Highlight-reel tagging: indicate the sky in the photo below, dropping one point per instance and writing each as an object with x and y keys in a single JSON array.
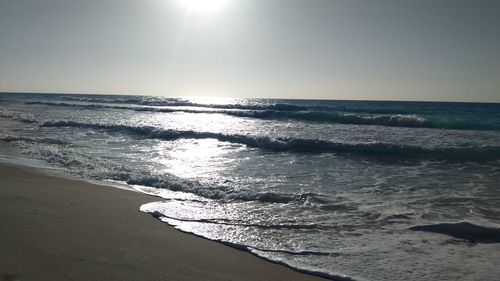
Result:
[{"x": 447, "y": 50}]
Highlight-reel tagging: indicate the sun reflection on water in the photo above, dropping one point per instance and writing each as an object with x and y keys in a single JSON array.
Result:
[
  {"x": 216, "y": 100},
  {"x": 205, "y": 158}
]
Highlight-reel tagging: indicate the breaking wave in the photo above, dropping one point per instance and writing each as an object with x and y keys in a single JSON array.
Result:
[
  {"x": 280, "y": 111},
  {"x": 11, "y": 138},
  {"x": 173, "y": 183},
  {"x": 100, "y": 169},
  {"x": 17, "y": 115},
  {"x": 376, "y": 149}
]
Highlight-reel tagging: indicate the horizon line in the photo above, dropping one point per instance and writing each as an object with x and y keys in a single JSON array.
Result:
[{"x": 228, "y": 97}]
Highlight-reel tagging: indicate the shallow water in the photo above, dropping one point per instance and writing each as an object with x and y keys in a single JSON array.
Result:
[{"x": 335, "y": 187}]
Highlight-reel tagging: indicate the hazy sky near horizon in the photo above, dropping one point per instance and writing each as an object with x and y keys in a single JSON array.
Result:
[{"x": 327, "y": 49}]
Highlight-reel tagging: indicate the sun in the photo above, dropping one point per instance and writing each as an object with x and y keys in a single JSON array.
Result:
[{"x": 203, "y": 6}]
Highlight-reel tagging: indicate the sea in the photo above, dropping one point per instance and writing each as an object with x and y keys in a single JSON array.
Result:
[{"x": 348, "y": 190}]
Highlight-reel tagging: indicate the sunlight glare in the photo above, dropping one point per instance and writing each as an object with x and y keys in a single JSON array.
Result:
[{"x": 203, "y": 6}]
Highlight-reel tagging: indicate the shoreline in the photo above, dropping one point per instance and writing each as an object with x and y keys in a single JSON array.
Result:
[{"x": 68, "y": 229}]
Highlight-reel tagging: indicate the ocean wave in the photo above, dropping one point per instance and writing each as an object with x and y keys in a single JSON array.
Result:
[
  {"x": 89, "y": 166},
  {"x": 340, "y": 118},
  {"x": 17, "y": 115},
  {"x": 174, "y": 183},
  {"x": 391, "y": 120},
  {"x": 277, "y": 105},
  {"x": 374, "y": 149},
  {"x": 12, "y": 138},
  {"x": 268, "y": 254},
  {"x": 74, "y": 162},
  {"x": 153, "y": 106},
  {"x": 81, "y": 105},
  {"x": 463, "y": 230},
  {"x": 157, "y": 214},
  {"x": 299, "y": 253},
  {"x": 152, "y": 101}
]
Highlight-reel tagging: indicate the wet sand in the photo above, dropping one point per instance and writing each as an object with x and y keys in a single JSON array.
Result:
[{"x": 61, "y": 229}]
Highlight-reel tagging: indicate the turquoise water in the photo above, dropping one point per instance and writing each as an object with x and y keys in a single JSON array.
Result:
[{"x": 367, "y": 190}]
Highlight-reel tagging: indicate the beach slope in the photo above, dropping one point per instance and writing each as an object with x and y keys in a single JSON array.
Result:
[{"x": 60, "y": 229}]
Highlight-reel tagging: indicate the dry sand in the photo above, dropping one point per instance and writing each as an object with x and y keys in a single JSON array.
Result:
[{"x": 59, "y": 229}]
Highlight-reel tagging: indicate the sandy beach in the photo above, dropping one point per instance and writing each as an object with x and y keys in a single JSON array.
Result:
[{"x": 60, "y": 229}]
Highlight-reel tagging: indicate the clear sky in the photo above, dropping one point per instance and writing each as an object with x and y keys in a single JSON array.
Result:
[{"x": 327, "y": 49}]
